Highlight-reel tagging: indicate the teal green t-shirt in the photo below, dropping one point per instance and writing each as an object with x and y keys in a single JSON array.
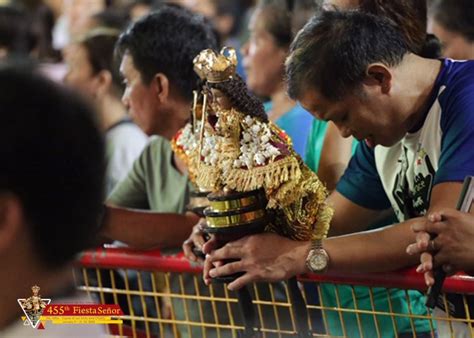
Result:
[{"x": 315, "y": 144}]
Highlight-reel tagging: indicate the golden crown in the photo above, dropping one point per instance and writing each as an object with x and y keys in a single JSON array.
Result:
[{"x": 215, "y": 67}]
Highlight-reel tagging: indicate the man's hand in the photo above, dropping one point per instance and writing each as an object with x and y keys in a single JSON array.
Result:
[
  {"x": 195, "y": 241},
  {"x": 452, "y": 246},
  {"x": 263, "y": 257},
  {"x": 421, "y": 247}
]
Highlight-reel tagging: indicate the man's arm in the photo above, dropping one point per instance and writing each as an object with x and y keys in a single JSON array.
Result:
[
  {"x": 384, "y": 249},
  {"x": 349, "y": 217},
  {"x": 144, "y": 230},
  {"x": 268, "y": 257}
]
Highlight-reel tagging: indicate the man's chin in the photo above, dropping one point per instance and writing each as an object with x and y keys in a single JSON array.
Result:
[{"x": 369, "y": 141}]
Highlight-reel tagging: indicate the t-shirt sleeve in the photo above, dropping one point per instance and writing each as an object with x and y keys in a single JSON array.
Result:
[
  {"x": 131, "y": 192},
  {"x": 361, "y": 182},
  {"x": 457, "y": 125}
]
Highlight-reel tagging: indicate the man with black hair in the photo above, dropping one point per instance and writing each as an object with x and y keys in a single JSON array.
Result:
[
  {"x": 49, "y": 171},
  {"x": 156, "y": 55},
  {"x": 415, "y": 117},
  {"x": 148, "y": 208}
]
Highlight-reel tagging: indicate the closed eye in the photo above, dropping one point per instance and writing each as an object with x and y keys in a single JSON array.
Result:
[{"x": 341, "y": 118}]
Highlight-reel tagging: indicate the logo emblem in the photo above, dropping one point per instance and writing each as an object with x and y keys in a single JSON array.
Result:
[{"x": 33, "y": 307}]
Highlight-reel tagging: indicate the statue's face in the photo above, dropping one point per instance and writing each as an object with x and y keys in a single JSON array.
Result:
[{"x": 221, "y": 99}]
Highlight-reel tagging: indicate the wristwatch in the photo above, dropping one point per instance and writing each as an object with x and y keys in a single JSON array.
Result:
[{"x": 317, "y": 260}]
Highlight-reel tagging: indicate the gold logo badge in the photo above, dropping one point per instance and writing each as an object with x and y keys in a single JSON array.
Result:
[{"x": 33, "y": 307}]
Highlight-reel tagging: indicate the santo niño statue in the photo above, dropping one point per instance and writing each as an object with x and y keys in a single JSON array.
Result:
[{"x": 235, "y": 152}]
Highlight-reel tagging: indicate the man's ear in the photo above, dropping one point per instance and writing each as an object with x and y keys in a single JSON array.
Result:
[
  {"x": 11, "y": 220},
  {"x": 161, "y": 87},
  {"x": 103, "y": 82},
  {"x": 378, "y": 75}
]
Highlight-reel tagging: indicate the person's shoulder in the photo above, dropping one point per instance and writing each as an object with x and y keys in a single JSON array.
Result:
[
  {"x": 461, "y": 65},
  {"x": 130, "y": 127},
  {"x": 456, "y": 87},
  {"x": 157, "y": 141},
  {"x": 126, "y": 132},
  {"x": 158, "y": 148},
  {"x": 127, "y": 138},
  {"x": 457, "y": 74},
  {"x": 298, "y": 113}
]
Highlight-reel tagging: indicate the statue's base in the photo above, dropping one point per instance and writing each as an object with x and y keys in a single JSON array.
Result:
[
  {"x": 234, "y": 232},
  {"x": 232, "y": 215}
]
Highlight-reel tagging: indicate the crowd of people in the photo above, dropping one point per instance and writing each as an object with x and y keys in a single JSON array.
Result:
[{"x": 377, "y": 97}]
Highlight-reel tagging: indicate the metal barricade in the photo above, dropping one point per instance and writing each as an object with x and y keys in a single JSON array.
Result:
[{"x": 164, "y": 296}]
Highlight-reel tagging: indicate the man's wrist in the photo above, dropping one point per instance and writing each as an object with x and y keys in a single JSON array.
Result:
[
  {"x": 304, "y": 250},
  {"x": 317, "y": 260}
]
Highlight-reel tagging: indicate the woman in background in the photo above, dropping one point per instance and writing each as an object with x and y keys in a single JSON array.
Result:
[
  {"x": 264, "y": 62},
  {"x": 92, "y": 71},
  {"x": 453, "y": 23}
]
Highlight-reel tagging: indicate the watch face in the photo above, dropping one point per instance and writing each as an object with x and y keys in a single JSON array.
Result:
[{"x": 318, "y": 260}]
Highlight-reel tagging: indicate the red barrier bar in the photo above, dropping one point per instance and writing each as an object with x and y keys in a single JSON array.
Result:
[
  {"x": 123, "y": 258},
  {"x": 404, "y": 279}
]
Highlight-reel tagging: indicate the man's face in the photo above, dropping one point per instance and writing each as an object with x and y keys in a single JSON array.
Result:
[
  {"x": 366, "y": 116},
  {"x": 138, "y": 97}
]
